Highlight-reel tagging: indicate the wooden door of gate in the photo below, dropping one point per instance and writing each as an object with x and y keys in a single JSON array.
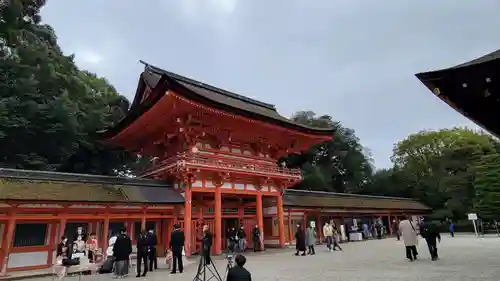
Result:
[{"x": 248, "y": 225}]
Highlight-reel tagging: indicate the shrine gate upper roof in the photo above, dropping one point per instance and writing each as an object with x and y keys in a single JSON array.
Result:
[{"x": 161, "y": 80}]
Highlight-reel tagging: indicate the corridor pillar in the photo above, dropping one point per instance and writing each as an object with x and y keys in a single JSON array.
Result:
[
  {"x": 187, "y": 215},
  {"x": 281, "y": 220},
  {"x": 9, "y": 237},
  {"x": 260, "y": 217},
  {"x": 218, "y": 220}
]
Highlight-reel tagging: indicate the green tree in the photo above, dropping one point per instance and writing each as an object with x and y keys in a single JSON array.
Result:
[
  {"x": 439, "y": 167},
  {"x": 487, "y": 187},
  {"x": 49, "y": 109},
  {"x": 339, "y": 165}
]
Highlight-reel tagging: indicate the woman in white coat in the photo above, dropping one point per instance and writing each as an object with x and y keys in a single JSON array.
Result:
[{"x": 409, "y": 234}]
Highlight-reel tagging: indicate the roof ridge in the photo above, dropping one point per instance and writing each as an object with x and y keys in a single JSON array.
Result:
[
  {"x": 74, "y": 177},
  {"x": 207, "y": 86},
  {"x": 347, "y": 194}
]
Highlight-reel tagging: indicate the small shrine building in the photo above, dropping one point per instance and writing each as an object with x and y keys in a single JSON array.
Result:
[{"x": 215, "y": 163}]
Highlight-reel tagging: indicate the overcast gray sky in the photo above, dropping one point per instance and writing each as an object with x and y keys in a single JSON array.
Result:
[{"x": 353, "y": 59}]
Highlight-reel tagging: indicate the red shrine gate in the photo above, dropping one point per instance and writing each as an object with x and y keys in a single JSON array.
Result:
[{"x": 220, "y": 148}]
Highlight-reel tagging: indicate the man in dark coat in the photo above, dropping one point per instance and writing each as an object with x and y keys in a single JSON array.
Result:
[
  {"x": 121, "y": 251},
  {"x": 430, "y": 233},
  {"x": 300, "y": 241},
  {"x": 231, "y": 239},
  {"x": 256, "y": 238},
  {"x": 152, "y": 241},
  {"x": 238, "y": 272},
  {"x": 176, "y": 245},
  {"x": 142, "y": 252}
]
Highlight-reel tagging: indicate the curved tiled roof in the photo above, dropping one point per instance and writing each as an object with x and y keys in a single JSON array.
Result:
[
  {"x": 303, "y": 198},
  {"x": 52, "y": 186},
  {"x": 471, "y": 88},
  {"x": 210, "y": 95}
]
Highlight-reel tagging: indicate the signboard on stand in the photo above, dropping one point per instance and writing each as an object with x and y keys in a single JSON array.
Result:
[{"x": 473, "y": 217}]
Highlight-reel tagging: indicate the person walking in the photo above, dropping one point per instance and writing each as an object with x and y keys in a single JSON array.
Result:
[
  {"x": 176, "y": 245},
  {"x": 310, "y": 240},
  {"x": 452, "y": 229},
  {"x": 410, "y": 238},
  {"x": 231, "y": 239},
  {"x": 121, "y": 251},
  {"x": 152, "y": 242},
  {"x": 328, "y": 234},
  {"x": 395, "y": 229},
  {"x": 241, "y": 236},
  {"x": 336, "y": 238},
  {"x": 429, "y": 231},
  {"x": 378, "y": 228},
  {"x": 300, "y": 241},
  {"x": 142, "y": 253},
  {"x": 256, "y": 238}
]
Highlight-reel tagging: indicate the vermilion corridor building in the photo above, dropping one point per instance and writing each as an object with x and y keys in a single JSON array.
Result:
[{"x": 215, "y": 163}]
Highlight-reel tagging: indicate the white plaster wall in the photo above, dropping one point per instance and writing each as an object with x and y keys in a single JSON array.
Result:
[
  {"x": 272, "y": 242},
  {"x": 269, "y": 211},
  {"x": 27, "y": 259}
]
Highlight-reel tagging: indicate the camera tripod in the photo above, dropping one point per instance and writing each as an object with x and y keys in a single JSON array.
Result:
[{"x": 203, "y": 266}]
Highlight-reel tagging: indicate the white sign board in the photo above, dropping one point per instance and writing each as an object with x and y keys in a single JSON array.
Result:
[{"x": 472, "y": 217}]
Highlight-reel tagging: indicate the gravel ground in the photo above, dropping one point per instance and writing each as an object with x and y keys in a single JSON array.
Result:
[{"x": 461, "y": 258}]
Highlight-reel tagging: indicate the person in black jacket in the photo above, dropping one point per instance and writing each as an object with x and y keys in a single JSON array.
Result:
[
  {"x": 238, "y": 272},
  {"x": 63, "y": 251},
  {"x": 231, "y": 239},
  {"x": 176, "y": 245},
  {"x": 152, "y": 241},
  {"x": 429, "y": 231},
  {"x": 142, "y": 252},
  {"x": 300, "y": 241},
  {"x": 121, "y": 251},
  {"x": 206, "y": 244},
  {"x": 256, "y": 238},
  {"x": 241, "y": 236}
]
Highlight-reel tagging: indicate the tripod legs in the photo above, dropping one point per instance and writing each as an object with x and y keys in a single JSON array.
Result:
[{"x": 201, "y": 273}]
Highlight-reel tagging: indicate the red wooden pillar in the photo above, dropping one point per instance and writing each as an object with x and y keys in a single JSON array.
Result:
[
  {"x": 143, "y": 221},
  {"x": 187, "y": 217},
  {"x": 105, "y": 234},
  {"x": 218, "y": 220},
  {"x": 260, "y": 217},
  {"x": 52, "y": 243},
  {"x": 390, "y": 223},
  {"x": 62, "y": 226},
  {"x": 166, "y": 228},
  {"x": 281, "y": 220},
  {"x": 290, "y": 234},
  {"x": 9, "y": 237},
  {"x": 318, "y": 228}
]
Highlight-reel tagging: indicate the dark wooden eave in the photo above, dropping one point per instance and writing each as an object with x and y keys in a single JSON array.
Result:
[
  {"x": 66, "y": 187},
  {"x": 465, "y": 88},
  {"x": 160, "y": 80},
  {"x": 353, "y": 202}
]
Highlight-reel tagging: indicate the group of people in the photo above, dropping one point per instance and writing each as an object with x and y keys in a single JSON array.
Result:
[
  {"x": 305, "y": 240},
  {"x": 237, "y": 239},
  {"x": 70, "y": 253}
]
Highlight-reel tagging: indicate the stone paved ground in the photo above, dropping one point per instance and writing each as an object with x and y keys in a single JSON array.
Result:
[{"x": 461, "y": 258}]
